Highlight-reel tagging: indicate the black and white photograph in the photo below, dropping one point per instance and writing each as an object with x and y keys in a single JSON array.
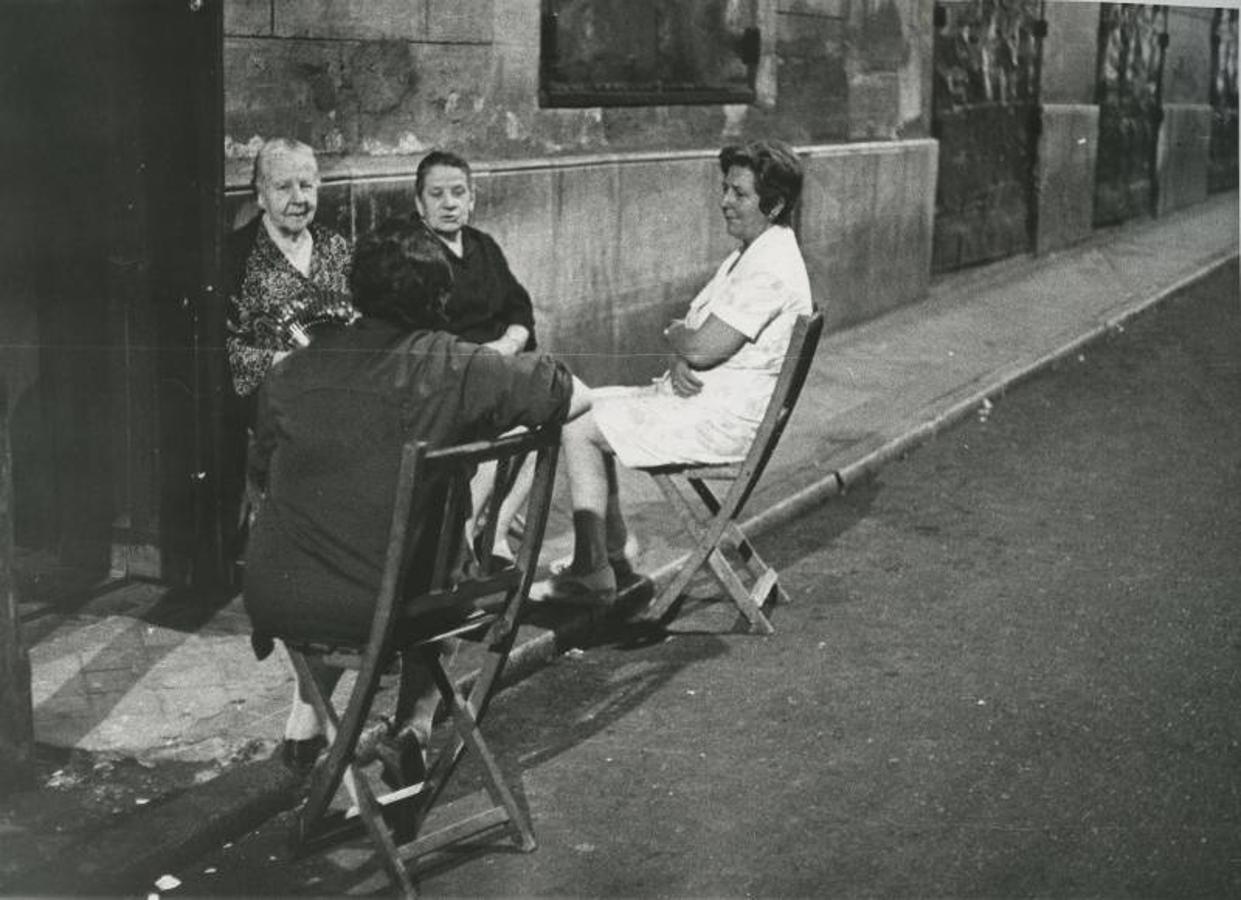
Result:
[{"x": 620, "y": 448}]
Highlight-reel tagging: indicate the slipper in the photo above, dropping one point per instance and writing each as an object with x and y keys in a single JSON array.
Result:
[{"x": 598, "y": 589}]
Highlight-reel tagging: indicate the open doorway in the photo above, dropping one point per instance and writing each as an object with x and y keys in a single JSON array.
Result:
[{"x": 110, "y": 124}]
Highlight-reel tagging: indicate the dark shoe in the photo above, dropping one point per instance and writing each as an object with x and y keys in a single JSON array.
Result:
[
  {"x": 261, "y": 644},
  {"x": 597, "y": 589},
  {"x": 622, "y": 568},
  {"x": 621, "y": 563},
  {"x": 404, "y": 764},
  {"x": 517, "y": 527},
  {"x": 299, "y": 756}
]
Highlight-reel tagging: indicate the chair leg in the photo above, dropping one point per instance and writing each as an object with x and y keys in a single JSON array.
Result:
[
  {"x": 757, "y": 566},
  {"x": 340, "y": 767},
  {"x": 466, "y": 723},
  {"x": 690, "y": 520},
  {"x": 505, "y": 809},
  {"x": 691, "y": 516},
  {"x": 748, "y": 602},
  {"x": 665, "y": 599},
  {"x": 327, "y": 775},
  {"x": 708, "y": 532},
  {"x": 735, "y": 539},
  {"x": 372, "y": 817}
]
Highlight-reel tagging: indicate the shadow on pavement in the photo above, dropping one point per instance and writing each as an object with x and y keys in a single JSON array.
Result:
[
  {"x": 577, "y": 699},
  {"x": 134, "y": 627}
]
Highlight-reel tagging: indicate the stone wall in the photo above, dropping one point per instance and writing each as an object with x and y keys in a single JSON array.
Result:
[
  {"x": 1067, "y": 157},
  {"x": 1184, "y": 149},
  {"x": 586, "y": 200},
  {"x": 1187, "y": 62},
  {"x": 1065, "y": 168},
  {"x": 1183, "y": 155},
  {"x": 395, "y": 77},
  {"x": 609, "y": 215},
  {"x": 867, "y": 225},
  {"x": 611, "y": 247},
  {"x": 1070, "y": 52},
  {"x": 1064, "y": 177}
]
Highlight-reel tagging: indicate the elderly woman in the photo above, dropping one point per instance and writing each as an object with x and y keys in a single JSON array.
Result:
[
  {"x": 286, "y": 276},
  {"x": 726, "y": 356},
  {"x": 287, "y": 273}
]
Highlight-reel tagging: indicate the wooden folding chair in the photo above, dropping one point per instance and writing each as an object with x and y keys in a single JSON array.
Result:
[
  {"x": 712, "y": 520},
  {"x": 481, "y": 601}
]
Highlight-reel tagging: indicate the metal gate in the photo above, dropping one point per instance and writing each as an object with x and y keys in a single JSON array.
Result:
[
  {"x": 985, "y": 101},
  {"x": 1129, "y": 91},
  {"x": 1222, "y": 174}
]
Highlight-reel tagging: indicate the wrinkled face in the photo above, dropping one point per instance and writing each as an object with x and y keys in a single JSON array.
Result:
[
  {"x": 288, "y": 190},
  {"x": 739, "y": 202},
  {"x": 446, "y": 200}
]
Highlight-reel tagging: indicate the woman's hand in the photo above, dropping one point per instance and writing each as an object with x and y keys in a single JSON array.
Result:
[
  {"x": 706, "y": 346},
  {"x": 512, "y": 342},
  {"x": 298, "y": 333},
  {"x": 674, "y": 334},
  {"x": 503, "y": 346},
  {"x": 684, "y": 382},
  {"x": 680, "y": 375}
]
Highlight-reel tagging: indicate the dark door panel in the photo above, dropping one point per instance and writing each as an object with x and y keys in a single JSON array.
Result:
[
  {"x": 1132, "y": 40},
  {"x": 112, "y": 126},
  {"x": 1222, "y": 173},
  {"x": 986, "y": 118}
]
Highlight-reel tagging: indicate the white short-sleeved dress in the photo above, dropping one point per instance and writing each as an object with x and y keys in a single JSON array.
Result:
[{"x": 760, "y": 293}]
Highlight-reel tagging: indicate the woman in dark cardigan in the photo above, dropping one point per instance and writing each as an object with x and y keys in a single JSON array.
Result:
[{"x": 333, "y": 418}]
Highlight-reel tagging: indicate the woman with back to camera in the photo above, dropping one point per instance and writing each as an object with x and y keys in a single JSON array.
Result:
[{"x": 332, "y": 419}]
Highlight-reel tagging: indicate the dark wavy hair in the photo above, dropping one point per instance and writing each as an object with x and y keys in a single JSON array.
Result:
[
  {"x": 401, "y": 275},
  {"x": 440, "y": 158},
  {"x": 777, "y": 174}
]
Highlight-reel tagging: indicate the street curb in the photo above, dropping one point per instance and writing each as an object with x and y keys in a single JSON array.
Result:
[
  {"x": 128, "y": 859},
  {"x": 546, "y": 646},
  {"x": 840, "y": 480}
]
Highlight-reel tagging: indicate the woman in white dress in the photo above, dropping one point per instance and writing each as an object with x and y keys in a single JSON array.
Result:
[{"x": 726, "y": 355}]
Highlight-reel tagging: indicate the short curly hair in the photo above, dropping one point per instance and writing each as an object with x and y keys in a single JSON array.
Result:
[
  {"x": 401, "y": 274},
  {"x": 777, "y": 174},
  {"x": 275, "y": 147}
]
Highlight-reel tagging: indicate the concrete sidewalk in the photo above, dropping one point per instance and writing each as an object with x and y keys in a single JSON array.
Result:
[{"x": 135, "y": 672}]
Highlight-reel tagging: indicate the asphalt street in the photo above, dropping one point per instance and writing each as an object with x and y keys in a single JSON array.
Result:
[{"x": 1011, "y": 669}]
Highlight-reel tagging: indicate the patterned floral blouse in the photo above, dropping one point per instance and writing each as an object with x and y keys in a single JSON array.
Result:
[{"x": 273, "y": 298}]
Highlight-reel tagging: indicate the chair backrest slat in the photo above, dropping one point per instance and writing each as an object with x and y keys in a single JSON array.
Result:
[
  {"x": 455, "y": 509},
  {"x": 432, "y": 501},
  {"x": 416, "y": 610},
  {"x": 796, "y": 367},
  {"x": 458, "y": 464},
  {"x": 413, "y": 462}
]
